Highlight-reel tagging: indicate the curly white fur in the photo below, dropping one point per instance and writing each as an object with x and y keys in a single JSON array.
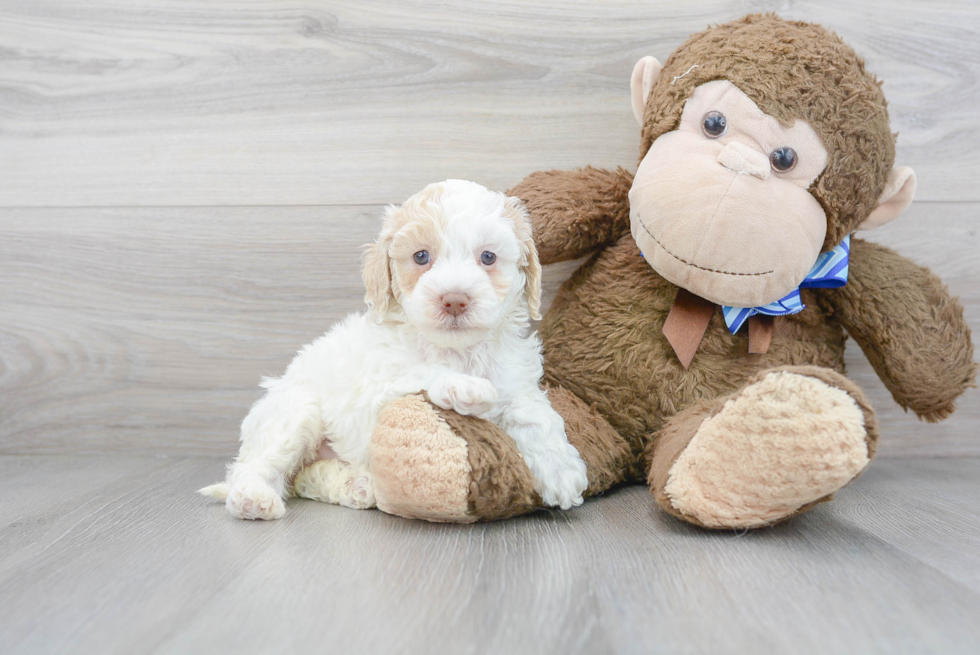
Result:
[{"x": 482, "y": 362}]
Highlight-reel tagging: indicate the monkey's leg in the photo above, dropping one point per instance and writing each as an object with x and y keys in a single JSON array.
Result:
[
  {"x": 783, "y": 443},
  {"x": 434, "y": 464}
]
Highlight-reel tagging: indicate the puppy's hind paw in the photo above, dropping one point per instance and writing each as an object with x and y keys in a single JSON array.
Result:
[
  {"x": 360, "y": 492},
  {"x": 336, "y": 482},
  {"x": 253, "y": 498}
]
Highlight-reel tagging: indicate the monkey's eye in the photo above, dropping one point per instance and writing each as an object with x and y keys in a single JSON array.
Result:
[
  {"x": 714, "y": 124},
  {"x": 422, "y": 257},
  {"x": 783, "y": 159},
  {"x": 488, "y": 258}
]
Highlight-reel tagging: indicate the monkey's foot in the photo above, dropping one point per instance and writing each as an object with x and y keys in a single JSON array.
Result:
[
  {"x": 434, "y": 464},
  {"x": 785, "y": 442}
]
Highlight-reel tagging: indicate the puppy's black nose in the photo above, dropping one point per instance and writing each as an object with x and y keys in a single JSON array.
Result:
[{"x": 454, "y": 303}]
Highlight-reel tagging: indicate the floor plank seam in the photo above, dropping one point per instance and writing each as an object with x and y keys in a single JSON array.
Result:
[{"x": 900, "y": 552}]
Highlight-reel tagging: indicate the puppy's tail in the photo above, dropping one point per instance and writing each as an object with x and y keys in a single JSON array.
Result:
[{"x": 219, "y": 491}]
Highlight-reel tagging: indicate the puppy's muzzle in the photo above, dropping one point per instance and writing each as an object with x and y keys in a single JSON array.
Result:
[{"x": 455, "y": 304}]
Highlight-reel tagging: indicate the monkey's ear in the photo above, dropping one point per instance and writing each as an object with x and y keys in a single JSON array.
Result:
[
  {"x": 645, "y": 73},
  {"x": 895, "y": 199}
]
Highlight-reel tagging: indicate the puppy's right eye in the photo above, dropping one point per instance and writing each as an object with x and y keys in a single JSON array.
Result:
[{"x": 422, "y": 257}]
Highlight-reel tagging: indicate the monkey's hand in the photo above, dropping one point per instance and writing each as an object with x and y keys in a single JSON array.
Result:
[
  {"x": 912, "y": 331},
  {"x": 575, "y": 212}
]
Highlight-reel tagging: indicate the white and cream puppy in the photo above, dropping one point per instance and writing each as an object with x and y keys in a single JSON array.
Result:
[{"x": 451, "y": 285}]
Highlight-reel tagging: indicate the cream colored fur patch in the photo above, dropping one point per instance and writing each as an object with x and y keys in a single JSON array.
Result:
[
  {"x": 421, "y": 468},
  {"x": 334, "y": 481},
  {"x": 785, "y": 441}
]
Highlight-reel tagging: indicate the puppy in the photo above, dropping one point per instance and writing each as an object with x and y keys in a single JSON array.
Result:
[{"x": 451, "y": 285}]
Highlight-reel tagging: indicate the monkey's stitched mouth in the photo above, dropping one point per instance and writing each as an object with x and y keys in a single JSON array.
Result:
[{"x": 692, "y": 264}]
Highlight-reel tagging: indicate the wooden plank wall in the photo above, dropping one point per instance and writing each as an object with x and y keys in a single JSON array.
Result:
[{"x": 184, "y": 185}]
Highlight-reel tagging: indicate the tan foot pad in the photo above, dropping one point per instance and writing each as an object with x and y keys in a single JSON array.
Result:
[
  {"x": 784, "y": 442},
  {"x": 420, "y": 468}
]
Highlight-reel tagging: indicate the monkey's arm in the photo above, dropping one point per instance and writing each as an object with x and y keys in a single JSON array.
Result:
[
  {"x": 575, "y": 212},
  {"x": 912, "y": 331}
]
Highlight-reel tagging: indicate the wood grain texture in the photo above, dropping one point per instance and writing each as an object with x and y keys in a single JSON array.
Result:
[
  {"x": 168, "y": 102},
  {"x": 144, "y": 565},
  {"x": 142, "y": 329},
  {"x": 150, "y": 274},
  {"x": 926, "y": 510},
  {"x": 149, "y": 329}
]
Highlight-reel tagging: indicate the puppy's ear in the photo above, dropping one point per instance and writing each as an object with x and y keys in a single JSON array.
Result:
[
  {"x": 377, "y": 270},
  {"x": 528, "y": 262}
]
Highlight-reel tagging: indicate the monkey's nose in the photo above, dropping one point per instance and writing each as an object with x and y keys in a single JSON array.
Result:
[
  {"x": 455, "y": 303},
  {"x": 745, "y": 159}
]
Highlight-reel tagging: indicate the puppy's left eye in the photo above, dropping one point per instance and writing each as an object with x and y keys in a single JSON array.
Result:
[
  {"x": 422, "y": 257},
  {"x": 488, "y": 258}
]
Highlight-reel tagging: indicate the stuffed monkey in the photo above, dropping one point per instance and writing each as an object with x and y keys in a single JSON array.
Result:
[{"x": 700, "y": 347}]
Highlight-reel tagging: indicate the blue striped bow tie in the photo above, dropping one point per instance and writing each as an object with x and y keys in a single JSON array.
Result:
[{"x": 830, "y": 272}]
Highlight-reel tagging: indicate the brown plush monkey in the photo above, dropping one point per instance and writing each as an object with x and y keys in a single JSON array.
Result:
[{"x": 765, "y": 144}]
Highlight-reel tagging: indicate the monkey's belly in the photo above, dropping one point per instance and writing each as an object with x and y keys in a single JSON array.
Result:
[{"x": 603, "y": 341}]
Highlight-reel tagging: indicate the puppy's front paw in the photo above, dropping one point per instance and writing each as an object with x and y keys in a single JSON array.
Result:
[
  {"x": 253, "y": 498},
  {"x": 465, "y": 394},
  {"x": 560, "y": 477}
]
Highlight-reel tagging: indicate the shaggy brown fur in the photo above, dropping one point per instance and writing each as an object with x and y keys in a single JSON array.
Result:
[
  {"x": 603, "y": 341},
  {"x": 603, "y": 214},
  {"x": 908, "y": 325},
  {"x": 630, "y": 406},
  {"x": 609, "y": 456},
  {"x": 603, "y": 334},
  {"x": 792, "y": 70},
  {"x": 501, "y": 485}
]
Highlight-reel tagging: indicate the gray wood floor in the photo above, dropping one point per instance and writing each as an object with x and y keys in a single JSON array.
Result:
[
  {"x": 116, "y": 554},
  {"x": 270, "y": 102},
  {"x": 183, "y": 190},
  {"x": 147, "y": 330}
]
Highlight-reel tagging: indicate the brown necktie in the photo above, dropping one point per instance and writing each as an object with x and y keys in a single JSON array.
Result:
[
  {"x": 688, "y": 320},
  {"x": 686, "y": 323}
]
